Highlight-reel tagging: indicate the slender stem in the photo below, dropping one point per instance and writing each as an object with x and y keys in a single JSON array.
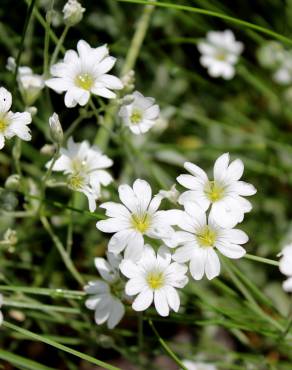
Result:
[
  {"x": 103, "y": 135},
  {"x": 51, "y": 342},
  {"x": 261, "y": 259},
  {"x": 58, "y": 293},
  {"x": 67, "y": 260},
  {"x": 27, "y": 19},
  {"x": 140, "y": 335},
  {"x": 50, "y": 169},
  {"x": 59, "y": 45},
  {"x": 216, "y": 15},
  {"x": 166, "y": 347},
  {"x": 47, "y": 40},
  {"x": 16, "y": 154},
  {"x": 41, "y": 307}
]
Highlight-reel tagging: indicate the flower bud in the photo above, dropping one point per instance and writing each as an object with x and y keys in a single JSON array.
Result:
[
  {"x": 73, "y": 12},
  {"x": 13, "y": 182},
  {"x": 56, "y": 129}
]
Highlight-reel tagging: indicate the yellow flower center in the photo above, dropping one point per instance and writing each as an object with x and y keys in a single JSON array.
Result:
[
  {"x": 3, "y": 124},
  {"x": 155, "y": 279},
  {"x": 214, "y": 191},
  {"x": 141, "y": 222},
  {"x": 220, "y": 56},
  {"x": 136, "y": 116},
  {"x": 206, "y": 237},
  {"x": 84, "y": 80},
  {"x": 78, "y": 165},
  {"x": 76, "y": 181}
]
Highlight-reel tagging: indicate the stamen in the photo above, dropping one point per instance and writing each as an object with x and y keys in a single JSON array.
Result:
[
  {"x": 136, "y": 116},
  {"x": 214, "y": 191},
  {"x": 141, "y": 222},
  {"x": 206, "y": 237},
  {"x": 84, "y": 80},
  {"x": 155, "y": 279}
]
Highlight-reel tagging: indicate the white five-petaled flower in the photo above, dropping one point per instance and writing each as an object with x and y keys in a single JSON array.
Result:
[
  {"x": 1, "y": 315},
  {"x": 200, "y": 237},
  {"x": 85, "y": 169},
  {"x": 73, "y": 12},
  {"x": 106, "y": 293},
  {"x": 220, "y": 52},
  {"x": 12, "y": 124},
  {"x": 225, "y": 192},
  {"x": 286, "y": 267},
  {"x": 136, "y": 217},
  {"x": 154, "y": 277},
  {"x": 140, "y": 114},
  {"x": 84, "y": 73}
]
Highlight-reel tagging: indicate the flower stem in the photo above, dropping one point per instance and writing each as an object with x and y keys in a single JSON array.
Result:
[
  {"x": 103, "y": 135},
  {"x": 59, "y": 45},
  {"x": 166, "y": 347},
  {"x": 261, "y": 259},
  {"x": 67, "y": 260},
  {"x": 58, "y": 293}
]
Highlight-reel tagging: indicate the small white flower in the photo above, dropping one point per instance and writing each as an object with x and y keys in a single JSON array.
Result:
[
  {"x": 139, "y": 115},
  {"x": 30, "y": 84},
  {"x": 154, "y": 277},
  {"x": 84, "y": 73},
  {"x": 73, "y": 12},
  {"x": 283, "y": 74},
  {"x": 220, "y": 52},
  {"x": 225, "y": 192},
  {"x": 199, "y": 239},
  {"x": 271, "y": 54},
  {"x": 85, "y": 169},
  {"x": 1, "y": 303},
  {"x": 286, "y": 267},
  {"x": 12, "y": 124},
  {"x": 106, "y": 293},
  {"x": 192, "y": 365},
  {"x": 136, "y": 217}
]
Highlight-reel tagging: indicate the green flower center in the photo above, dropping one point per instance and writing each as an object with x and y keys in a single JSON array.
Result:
[
  {"x": 3, "y": 124},
  {"x": 84, "y": 80},
  {"x": 136, "y": 116},
  {"x": 214, "y": 191},
  {"x": 206, "y": 237},
  {"x": 155, "y": 279},
  {"x": 141, "y": 222}
]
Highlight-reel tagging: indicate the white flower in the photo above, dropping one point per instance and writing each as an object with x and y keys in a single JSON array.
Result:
[
  {"x": 12, "y": 124},
  {"x": 30, "y": 84},
  {"x": 154, "y": 278},
  {"x": 1, "y": 303},
  {"x": 220, "y": 52},
  {"x": 85, "y": 169},
  {"x": 191, "y": 365},
  {"x": 271, "y": 54},
  {"x": 199, "y": 240},
  {"x": 136, "y": 217},
  {"x": 225, "y": 192},
  {"x": 286, "y": 267},
  {"x": 84, "y": 73},
  {"x": 139, "y": 115},
  {"x": 283, "y": 74},
  {"x": 106, "y": 293},
  {"x": 73, "y": 12}
]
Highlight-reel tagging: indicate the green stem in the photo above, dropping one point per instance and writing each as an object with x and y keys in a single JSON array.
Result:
[
  {"x": 67, "y": 260},
  {"x": 55, "y": 293},
  {"x": 50, "y": 342},
  {"x": 47, "y": 41},
  {"x": 166, "y": 347},
  {"x": 216, "y": 15},
  {"x": 27, "y": 19},
  {"x": 59, "y": 45},
  {"x": 261, "y": 259},
  {"x": 41, "y": 307},
  {"x": 103, "y": 135}
]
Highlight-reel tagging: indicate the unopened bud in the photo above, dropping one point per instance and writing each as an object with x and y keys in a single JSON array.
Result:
[
  {"x": 48, "y": 149},
  {"x": 13, "y": 182},
  {"x": 56, "y": 129},
  {"x": 73, "y": 12}
]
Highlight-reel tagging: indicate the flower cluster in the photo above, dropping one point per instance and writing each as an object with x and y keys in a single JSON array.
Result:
[{"x": 190, "y": 237}]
